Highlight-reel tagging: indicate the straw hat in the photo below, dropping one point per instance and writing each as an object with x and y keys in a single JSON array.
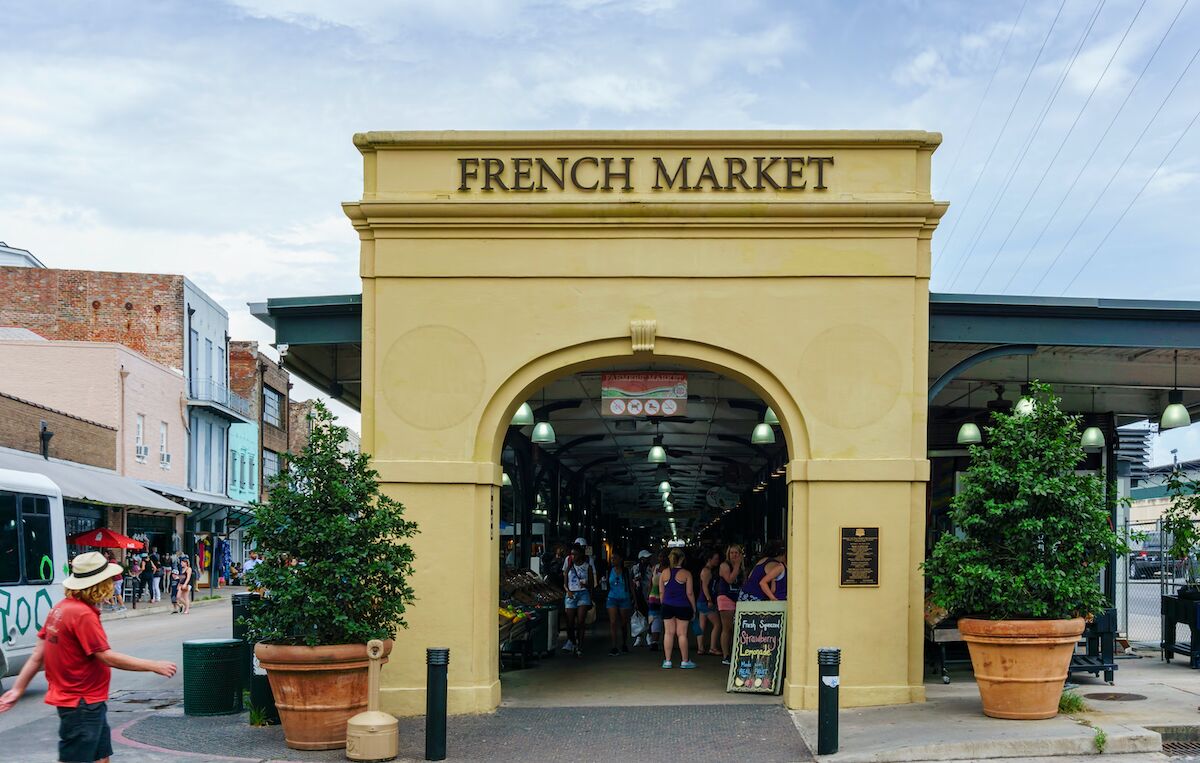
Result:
[{"x": 89, "y": 569}]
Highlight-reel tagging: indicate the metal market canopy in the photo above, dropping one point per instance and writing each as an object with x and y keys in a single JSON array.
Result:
[
  {"x": 1125, "y": 348},
  {"x": 320, "y": 340},
  {"x": 90, "y": 484}
]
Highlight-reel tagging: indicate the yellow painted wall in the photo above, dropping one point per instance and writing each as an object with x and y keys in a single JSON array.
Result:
[{"x": 815, "y": 299}]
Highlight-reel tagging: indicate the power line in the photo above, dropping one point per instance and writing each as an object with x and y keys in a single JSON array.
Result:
[
  {"x": 1128, "y": 206},
  {"x": 1117, "y": 171},
  {"x": 974, "y": 117},
  {"x": 1086, "y": 162},
  {"x": 1000, "y": 135},
  {"x": 1067, "y": 137},
  {"x": 1028, "y": 142}
]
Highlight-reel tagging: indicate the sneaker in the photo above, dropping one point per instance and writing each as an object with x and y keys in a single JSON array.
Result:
[
  {"x": 666, "y": 665},
  {"x": 687, "y": 665},
  {"x": 569, "y": 646},
  {"x": 725, "y": 661},
  {"x": 578, "y": 651},
  {"x": 614, "y": 652}
]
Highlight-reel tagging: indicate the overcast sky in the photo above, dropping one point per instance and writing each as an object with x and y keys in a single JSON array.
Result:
[{"x": 213, "y": 138}]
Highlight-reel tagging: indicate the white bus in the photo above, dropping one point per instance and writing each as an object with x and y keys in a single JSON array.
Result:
[{"x": 33, "y": 562}]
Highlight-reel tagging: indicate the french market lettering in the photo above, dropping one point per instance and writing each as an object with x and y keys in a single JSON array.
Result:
[{"x": 608, "y": 173}]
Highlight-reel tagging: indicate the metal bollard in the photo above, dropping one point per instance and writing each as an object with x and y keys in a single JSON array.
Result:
[
  {"x": 438, "y": 661},
  {"x": 829, "y": 660}
]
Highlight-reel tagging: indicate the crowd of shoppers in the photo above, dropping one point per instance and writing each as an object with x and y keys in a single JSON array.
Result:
[{"x": 665, "y": 600}]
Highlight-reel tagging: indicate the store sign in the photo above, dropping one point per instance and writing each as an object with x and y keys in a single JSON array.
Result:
[
  {"x": 860, "y": 557},
  {"x": 612, "y": 173},
  {"x": 759, "y": 635},
  {"x": 643, "y": 394}
]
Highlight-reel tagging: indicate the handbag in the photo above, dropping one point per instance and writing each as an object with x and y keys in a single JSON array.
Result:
[{"x": 638, "y": 624}]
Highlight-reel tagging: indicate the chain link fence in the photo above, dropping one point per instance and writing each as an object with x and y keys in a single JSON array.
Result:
[{"x": 1144, "y": 577}]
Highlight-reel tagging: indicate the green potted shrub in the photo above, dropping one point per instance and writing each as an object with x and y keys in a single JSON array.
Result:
[
  {"x": 334, "y": 573},
  {"x": 1032, "y": 535},
  {"x": 1179, "y": 532}
]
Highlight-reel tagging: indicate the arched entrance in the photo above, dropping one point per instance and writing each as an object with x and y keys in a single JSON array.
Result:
[
  {"x": 811, "y": 291},
  {"x": 597, "y": 481}
]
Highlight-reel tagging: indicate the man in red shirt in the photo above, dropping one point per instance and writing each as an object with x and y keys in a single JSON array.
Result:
[{"x": 74, "y": 650}]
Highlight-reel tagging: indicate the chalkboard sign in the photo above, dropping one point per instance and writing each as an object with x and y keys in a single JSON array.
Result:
[
  {"x": 860, "y": 557},
  {"x": 759, "y": 636}
]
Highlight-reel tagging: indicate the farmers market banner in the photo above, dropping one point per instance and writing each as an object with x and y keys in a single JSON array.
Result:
[{"x": 643, "y": 394}]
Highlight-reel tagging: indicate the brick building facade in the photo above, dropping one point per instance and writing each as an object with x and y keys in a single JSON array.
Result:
[
  {"x": 75, "y": 439},
  {"x": 143, "y": 311}
]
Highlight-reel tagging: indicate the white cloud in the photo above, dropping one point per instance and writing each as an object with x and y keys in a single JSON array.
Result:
[
  {"x": 926, "y": 69},
  {"x": 1171, "y": 180}
]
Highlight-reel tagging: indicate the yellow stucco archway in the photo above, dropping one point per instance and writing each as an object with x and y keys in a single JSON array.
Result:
[
  {"x": 492, "y": 262},
  {"x": 601, "y": 352}
]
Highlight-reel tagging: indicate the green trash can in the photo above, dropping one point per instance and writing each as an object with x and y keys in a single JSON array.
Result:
[{"x": 213, "y": 676}]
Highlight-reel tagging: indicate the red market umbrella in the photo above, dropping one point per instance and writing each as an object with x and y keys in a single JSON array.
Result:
[{"x": 104, "y": 538}]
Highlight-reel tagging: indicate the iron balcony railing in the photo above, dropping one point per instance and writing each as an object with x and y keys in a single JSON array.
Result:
[{"x": 214, "y": 392}]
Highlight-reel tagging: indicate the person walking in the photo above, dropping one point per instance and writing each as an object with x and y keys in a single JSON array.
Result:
[
  {"x": 654, "y": 600},
  {"x": 184, "y": 597},
  {"x": 580, "y": 577},
  {"x": 248, "y": 567},
  {"x": 147, "y": 578},
  {"x": 641, "y": 576},
  {"x": 706, "y": 605},
  {"x": 173, "y": 566},
  {"x": 156, "y": 576},
  {"x": 118, "y": 592},
  {"x": 768, "y": 580},
  {"x": 730, "y": 576},
  {"x": 620, "y": 604},
  {"x": 135, "y": 579},
  {"x": 678, "y": 608},
  {"x": 74, "y": 650}
]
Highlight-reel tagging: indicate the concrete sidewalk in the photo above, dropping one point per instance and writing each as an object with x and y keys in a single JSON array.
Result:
[
  {"x": 1148, "y": 694},
  {"x": 165, "y": 606}
]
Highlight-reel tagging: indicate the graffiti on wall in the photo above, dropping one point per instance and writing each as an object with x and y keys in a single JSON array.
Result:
[
  {"x": 22, "y": 613},
  {"x": 28, "y": 607}
]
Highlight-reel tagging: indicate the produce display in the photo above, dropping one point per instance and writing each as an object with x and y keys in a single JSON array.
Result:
[
  {"x": 528, "y": 607},
  {"x": 524, "y": 587}
]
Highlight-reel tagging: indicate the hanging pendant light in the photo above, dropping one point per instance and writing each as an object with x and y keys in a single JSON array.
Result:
[
  {"x": 664, "y": 488},
  {"x": 968, "y": 433},
  {"x": 770, "y": 418},
  {"x": 1175, "y": 415},
  {"x": 657, "y": 454},
  {"x": 543, "y": 433},
  {"x": 1025, "y": 404},
  {"x": 1093, "y": 437},
  {"x": 505, "y": 480},
  {"x": 523, "y": 417},
  {"x": 762, "y": 435}
]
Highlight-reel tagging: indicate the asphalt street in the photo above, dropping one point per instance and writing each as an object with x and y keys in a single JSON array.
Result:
[{"x": 155, "y": 637}]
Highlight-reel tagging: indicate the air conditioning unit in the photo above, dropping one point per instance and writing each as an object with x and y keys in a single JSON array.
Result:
[
  {"x": 141, "y": 451},
  {"x": 164, "y": 460}
]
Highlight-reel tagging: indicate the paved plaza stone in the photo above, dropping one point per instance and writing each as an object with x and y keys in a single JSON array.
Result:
[{"x": 579, "y": 734}]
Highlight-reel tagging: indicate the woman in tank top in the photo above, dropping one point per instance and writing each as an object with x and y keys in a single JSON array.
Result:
[
  {"x": 678, "y": 608},
  {"x": 620, "y": 604},
  {"x": 730, "y": 576},
  {"x": 768, "y": 580},
  {"x": 706, "y": 605}
]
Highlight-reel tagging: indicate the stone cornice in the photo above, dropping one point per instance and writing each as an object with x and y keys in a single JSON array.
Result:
[{"x": 452, "y": 139}]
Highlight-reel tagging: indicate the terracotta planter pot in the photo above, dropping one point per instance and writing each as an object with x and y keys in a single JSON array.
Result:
[
  {"x": 1020, "y": 665},
  {"x": 317, "y": 689}
]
